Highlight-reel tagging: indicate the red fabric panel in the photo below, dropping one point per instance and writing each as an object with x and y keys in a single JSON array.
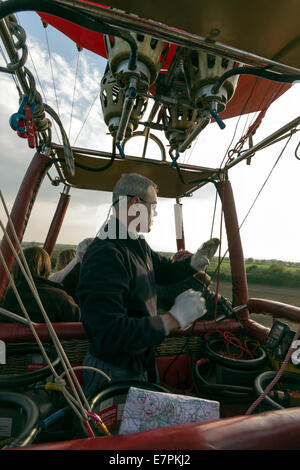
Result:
[
  {"x": 252, "y": 94},
  {"x": 273, "y": 430},
  {"x": 84, "y": 38},
  {"x": 12, "y": 332},
  {"x": 91, "y": 40}
]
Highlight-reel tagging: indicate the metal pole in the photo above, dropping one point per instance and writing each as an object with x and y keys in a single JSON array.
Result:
[
  {"x": 56, "y": 223},
  {"x": 21, "y": 211},
  {"x": 204, "y": 121},
  {"x": 264, "y": 143},
  {"x": 237, "y": 263},
  {"x": 14, "y": 317},
  {"x": 181, "y": 38},
  {"x": 179, "y": 225}
]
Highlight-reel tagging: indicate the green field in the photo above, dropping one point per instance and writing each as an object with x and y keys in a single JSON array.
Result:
[
  {"x": 285, "y": 295},
  {"x": 290, "y": 296},
  {"x": 272, "y": 272}
]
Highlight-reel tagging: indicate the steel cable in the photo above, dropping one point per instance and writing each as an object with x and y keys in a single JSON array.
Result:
[
  {"x": 74, "y": 89},
  {"x": 86, "y": 117},
  {"x": 51, "y": 67}
]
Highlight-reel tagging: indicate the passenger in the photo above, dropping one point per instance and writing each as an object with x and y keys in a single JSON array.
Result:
[
  {"x": 63, "y": 259},
  {"x": 117, "y": 289},
  {"x": 59, "y": 306},
  {"x": 69, "y": 275}
]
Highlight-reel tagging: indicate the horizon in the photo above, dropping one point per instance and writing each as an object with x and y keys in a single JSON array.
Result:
[{"x": 226, "y": 258}]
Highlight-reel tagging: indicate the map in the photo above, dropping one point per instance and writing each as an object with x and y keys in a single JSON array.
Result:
[{"x": 145, "y": 410}]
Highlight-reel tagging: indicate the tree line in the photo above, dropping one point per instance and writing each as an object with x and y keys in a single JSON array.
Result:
[{"x": 268, "y": 272}]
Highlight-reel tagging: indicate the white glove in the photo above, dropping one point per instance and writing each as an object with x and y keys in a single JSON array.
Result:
[
  {"x": 204, "y": 254},
  {"x": 188, "y": 307}
]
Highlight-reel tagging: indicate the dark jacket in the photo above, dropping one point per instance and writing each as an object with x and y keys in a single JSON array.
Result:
[
  {"x": 59, "y": 306},
  {"x": 71, "y": 280},
  {"x": 117, "y": 297}
]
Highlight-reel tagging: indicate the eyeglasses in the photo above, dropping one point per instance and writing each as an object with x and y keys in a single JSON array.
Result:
[{"x": 153, "y": 204}]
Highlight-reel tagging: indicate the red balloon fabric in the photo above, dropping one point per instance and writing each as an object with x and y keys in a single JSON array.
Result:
[{"x": 252, "y": 93}]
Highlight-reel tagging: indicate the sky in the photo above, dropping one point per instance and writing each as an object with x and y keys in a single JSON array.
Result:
[{"x": 271, "y": 231}]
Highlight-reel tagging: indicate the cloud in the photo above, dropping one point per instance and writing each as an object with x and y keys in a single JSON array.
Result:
[
  {"x": 16, "y": 156},
  {"x": 272, "y": 228}
]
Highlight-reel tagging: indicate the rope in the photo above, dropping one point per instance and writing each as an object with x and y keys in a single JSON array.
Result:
[
  {"x": 43, "y": 93},
  {"x": 74, "y": 401},
  {"x": 234, "y": 133},
  {"x": 214, "y": 215},
  {"x": 86, "y": 117},
  {"x": 227, "y": 336},
  {"x": 277, "y": 376},
  {"x": 265, "y": 104},
  {"x": 90, "y": 368},
  {"x": 251, "y": 207},
  {"x": 296, "y": 151},
  {"x": 231, "y": 339},
  {"x": 192, "y": 149},
  {"x": 74, "y": 89},
  {"x": 239, "y": 118},
  {"x": 58, "y": 380},
  {"x": 220, "y": 245},
  {"x": 51, "y": 67},
  {"x": 31, "y": 284}
]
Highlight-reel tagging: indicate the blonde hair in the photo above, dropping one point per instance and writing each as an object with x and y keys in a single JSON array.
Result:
[
  {"x": 64, "y": 258},
  {"x": 38, "y": 261}
]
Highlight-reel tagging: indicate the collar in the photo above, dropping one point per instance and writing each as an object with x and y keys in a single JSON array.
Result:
[{"x": 115, "y": 230}]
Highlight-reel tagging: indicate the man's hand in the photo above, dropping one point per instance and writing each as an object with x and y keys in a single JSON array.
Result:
[
  {"x": 188, "y": 307},
  {"x": 204, "y": 254}
]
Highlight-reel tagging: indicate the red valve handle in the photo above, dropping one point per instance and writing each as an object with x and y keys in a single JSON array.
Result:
[{"x": 30, "y": 127}]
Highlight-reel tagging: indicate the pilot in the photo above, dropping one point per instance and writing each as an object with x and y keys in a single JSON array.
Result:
[{"x": 117, "y": 289}]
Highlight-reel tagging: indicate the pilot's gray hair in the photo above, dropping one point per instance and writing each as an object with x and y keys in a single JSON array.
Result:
[{"x": 132, "y": 184}]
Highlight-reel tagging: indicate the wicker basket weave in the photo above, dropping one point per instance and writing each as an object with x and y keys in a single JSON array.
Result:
[
  {"x": 76, "y": 350},
  {"x": 180, "y": 345},
  {"x": 17, "y": 363}
]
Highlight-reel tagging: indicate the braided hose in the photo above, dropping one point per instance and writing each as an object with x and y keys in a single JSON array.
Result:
[{"x": 16, "y": 30}]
